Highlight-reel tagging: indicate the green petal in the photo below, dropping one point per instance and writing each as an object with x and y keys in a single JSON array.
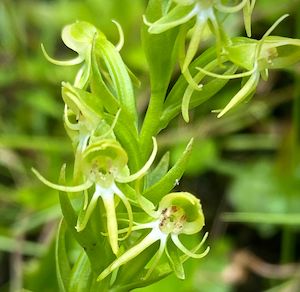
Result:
[
  {"x": 85, "y": 214},
  {"x": 190, "y": 89},
  {"x": 127, "y": 205},
  {"x": 71, "y": 189},
  {"x": 111, "y": 219},
  {"x": 191, "y": 206},
  {"x": 129, "y": 255},
  {"x": 177, "y": 16},
  {"x": 143, "y": 170},
  {"x": 243, "y": 93},
  {"x": 75, "y": 61},
  {"x": 120, "y": 44},
  {"x": 178, "y": 243},
  {"x": 79, "y": 36},
  {"x": 230, "y": 9},
  {"x": 194, "y": 42}
]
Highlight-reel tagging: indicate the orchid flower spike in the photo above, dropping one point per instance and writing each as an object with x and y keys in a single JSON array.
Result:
[
  {"x": 178, "y": 213},
  {"x": 104, "y": 164}
]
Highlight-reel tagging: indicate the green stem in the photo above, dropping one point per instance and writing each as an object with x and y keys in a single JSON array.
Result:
[
  {"x": 287, "y": 245},
  {"x": 151, "y": 123}
]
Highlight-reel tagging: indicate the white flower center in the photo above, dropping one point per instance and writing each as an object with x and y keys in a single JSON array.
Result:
[{"x": 172, "y": 220}]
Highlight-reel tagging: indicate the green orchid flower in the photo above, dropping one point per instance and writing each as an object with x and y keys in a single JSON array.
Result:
[
  {"x": 81, "y": 37},
  {"x": 84, "y": 120},
  {"x": 257, "y": 57},
  {"x": 104, "y": 164},
  {"x": 204, "y": 14},
  {"x": 178, "y": 213}
]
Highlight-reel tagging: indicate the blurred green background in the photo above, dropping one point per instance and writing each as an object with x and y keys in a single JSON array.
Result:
[{"x": 245, "y": 167}]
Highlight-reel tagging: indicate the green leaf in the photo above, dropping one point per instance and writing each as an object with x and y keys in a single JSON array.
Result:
[
  {"x": 204, "y": 155},
  {"x": 172, "y": 104},
  {"x": 81, "y": 276},
  {"x": 198, "y": 97},
  {"x": 63, "y": 268},
  {"x": 174, "y": 260}
]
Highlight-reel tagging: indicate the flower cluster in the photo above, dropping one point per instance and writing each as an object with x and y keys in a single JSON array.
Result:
[
  {"x": 120, "y": 206},
  {"x": 101, "y": 120}
]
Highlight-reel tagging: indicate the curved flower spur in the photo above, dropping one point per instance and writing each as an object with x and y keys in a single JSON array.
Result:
[
  {"x": 204, "y": 14},
  {"x": 178, "y": 213},
  {"x": 105, "y": 164}
]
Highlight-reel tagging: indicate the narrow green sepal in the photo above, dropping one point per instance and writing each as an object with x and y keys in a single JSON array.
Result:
[{"x": 178, "y": 15}]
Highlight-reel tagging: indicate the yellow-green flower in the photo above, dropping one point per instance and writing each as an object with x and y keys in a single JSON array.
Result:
[
  {"x": 256, "y": 57},
  {"x": 178, "y": 213},
  {"x": 203, "y": 12},
  {"x": 104, "y": 164}
]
